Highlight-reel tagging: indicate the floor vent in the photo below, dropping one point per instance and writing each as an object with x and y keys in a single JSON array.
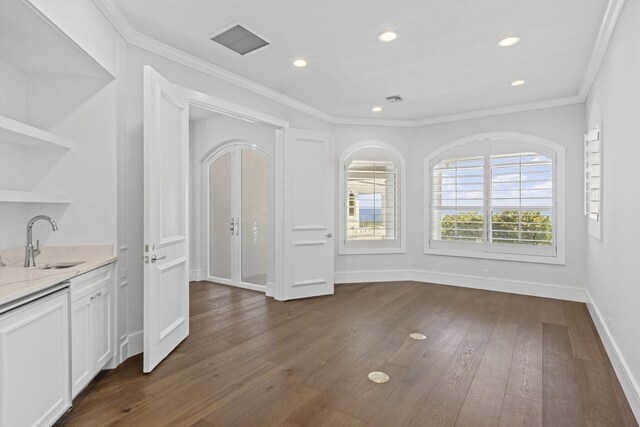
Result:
[{"x": 240, "y": 40}]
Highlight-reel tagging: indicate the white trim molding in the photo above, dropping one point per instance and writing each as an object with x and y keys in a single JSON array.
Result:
[
  {"x": 519, "y": 287},
  {"x": 134, "y": 37},
  {"x": 196, "y": 275},
  {"x": 130, "y": 345},
  {"x": 629, "y": 383},
  {"x": 607, "y": 27}
]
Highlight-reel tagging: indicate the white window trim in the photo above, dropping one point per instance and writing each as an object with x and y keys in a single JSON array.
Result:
[
  {"x": 559, "y": 186},
  {"x": 372, "y": 246}
]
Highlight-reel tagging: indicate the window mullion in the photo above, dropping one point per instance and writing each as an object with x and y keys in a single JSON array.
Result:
[
  {"x": 375, "y": 193},
  {"x": 487, "y": 195}
]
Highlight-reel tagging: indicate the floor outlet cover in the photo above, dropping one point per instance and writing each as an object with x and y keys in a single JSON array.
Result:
[
  {"x": 417, "y": 336},
  {"x": 378, "y": 377}
]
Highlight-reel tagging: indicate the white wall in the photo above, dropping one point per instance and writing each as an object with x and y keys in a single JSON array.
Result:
[
  {"x": 562, "y": 125},
  {"x": 13, "y": 92},
  {"x": 612, "y": 264}
]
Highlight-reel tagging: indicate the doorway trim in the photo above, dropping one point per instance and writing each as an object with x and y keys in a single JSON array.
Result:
[
  {"x": 221, "y": 106},
  {"x": 206, "y": 161}
]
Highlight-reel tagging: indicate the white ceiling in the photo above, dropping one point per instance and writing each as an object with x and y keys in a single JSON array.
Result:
[{"x": 445, "y": 60}]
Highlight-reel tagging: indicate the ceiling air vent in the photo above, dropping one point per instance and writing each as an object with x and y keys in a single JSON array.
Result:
[
  {"x": 240, "y": 40},
  {"x": 394, "y": 98}
]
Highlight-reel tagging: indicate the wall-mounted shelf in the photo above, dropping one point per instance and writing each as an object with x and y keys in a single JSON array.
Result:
[
  {"x": 20, "y": 133},
  {"x": 10, "y": 196}
]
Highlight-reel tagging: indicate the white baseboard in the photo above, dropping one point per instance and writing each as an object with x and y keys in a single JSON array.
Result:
[
  {"x": 271, "y": 288},
  {"x": 519, "y": 287},
  {"x": 124, "y": 349},
  {"x": 372, "y": 276},
  {"x": 545, "y": 290},
  {"x": 625, "y": 376},
  {"x": 196, "y": 275},
  {"x": 131, "y": 345}
]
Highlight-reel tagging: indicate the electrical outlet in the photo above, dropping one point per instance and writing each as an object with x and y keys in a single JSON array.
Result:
[
  {"x": 610, "y": 321},
  {"x": 485, "y": 272}
]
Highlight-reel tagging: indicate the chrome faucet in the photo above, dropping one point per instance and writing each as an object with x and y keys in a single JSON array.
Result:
[{"x": 30, "y": 254}]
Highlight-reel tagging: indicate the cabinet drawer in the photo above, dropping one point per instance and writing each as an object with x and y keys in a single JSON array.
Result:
[{"x": 90, "y": 282}]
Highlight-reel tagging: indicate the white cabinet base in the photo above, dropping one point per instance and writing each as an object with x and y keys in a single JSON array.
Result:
[
  {"x": 34, "y": 362},
  {"x": 92, "y": 325}
]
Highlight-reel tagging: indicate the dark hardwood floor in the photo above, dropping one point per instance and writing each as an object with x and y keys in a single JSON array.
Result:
[{"x": 490, "y": 359}]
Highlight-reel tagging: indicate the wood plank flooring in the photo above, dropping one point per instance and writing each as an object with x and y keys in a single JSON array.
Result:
[{"x": 490, "y": 359}]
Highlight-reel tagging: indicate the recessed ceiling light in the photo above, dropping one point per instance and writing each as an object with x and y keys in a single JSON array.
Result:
[
  {"x": 376, "y": 109},
  {"x": 387, "y": 36},
  {"x": 518, "y": 83},
  {"x": 509, "y": 41},
  {"x": 300, "y": 63}
]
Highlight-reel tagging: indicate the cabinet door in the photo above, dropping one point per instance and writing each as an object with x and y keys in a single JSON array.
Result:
[
  {"x": 82, "y": 361},
  {"x": 101, "y": 324},
  {"x": 34, "y": 362}
]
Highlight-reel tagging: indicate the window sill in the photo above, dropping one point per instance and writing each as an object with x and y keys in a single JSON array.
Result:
[
  {"x": 534, "y": 259},
  {"x": 370, "y": 251}
]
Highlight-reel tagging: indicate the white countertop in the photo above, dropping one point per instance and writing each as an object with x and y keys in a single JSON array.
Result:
[{"x": 17, "y": 281}]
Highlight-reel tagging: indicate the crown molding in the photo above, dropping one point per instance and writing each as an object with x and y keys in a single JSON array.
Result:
[
  {"x": 607, "y": 27},
  {"x": 134, "y": 37},
  {"x": 517, "y": 108}
]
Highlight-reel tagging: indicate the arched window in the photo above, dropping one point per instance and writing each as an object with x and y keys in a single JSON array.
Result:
[
  {"x": 371, "y": 199},
  {"x": 496, "y": 196}
]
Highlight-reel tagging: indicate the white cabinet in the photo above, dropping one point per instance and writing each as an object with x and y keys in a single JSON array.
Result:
[
  {"x": 92, "y": 323},
  {"x": 34, "y": 362}
]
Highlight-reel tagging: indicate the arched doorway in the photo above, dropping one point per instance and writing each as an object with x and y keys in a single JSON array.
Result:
[{"x": 237, "y": 216}]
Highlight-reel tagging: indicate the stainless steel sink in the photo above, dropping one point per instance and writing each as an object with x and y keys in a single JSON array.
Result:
[{"x": 60, "y": 265}]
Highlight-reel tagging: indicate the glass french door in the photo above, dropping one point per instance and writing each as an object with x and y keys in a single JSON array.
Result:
[{"x": 237, "y": 215}]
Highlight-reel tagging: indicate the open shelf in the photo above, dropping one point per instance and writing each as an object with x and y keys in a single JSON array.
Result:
[
  {"x": 19, "y": 133},
  {"x": 9, "y": 196}
]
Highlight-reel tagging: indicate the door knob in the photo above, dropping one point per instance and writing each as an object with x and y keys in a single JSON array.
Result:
[
  {"x": 330, "y": 235},
  {"x": 155, "y": 258}
]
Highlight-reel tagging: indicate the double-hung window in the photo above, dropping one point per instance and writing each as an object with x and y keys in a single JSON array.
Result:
[
  {"x": 495, "y": 198},
  {"x": 371, "y": 211}
]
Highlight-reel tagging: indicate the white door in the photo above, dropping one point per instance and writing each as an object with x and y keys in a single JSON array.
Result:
[
  {"x": 166, "y": 260},
  {"x": 237, "y": 217},
  {"x": 309, "y": 167}
]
